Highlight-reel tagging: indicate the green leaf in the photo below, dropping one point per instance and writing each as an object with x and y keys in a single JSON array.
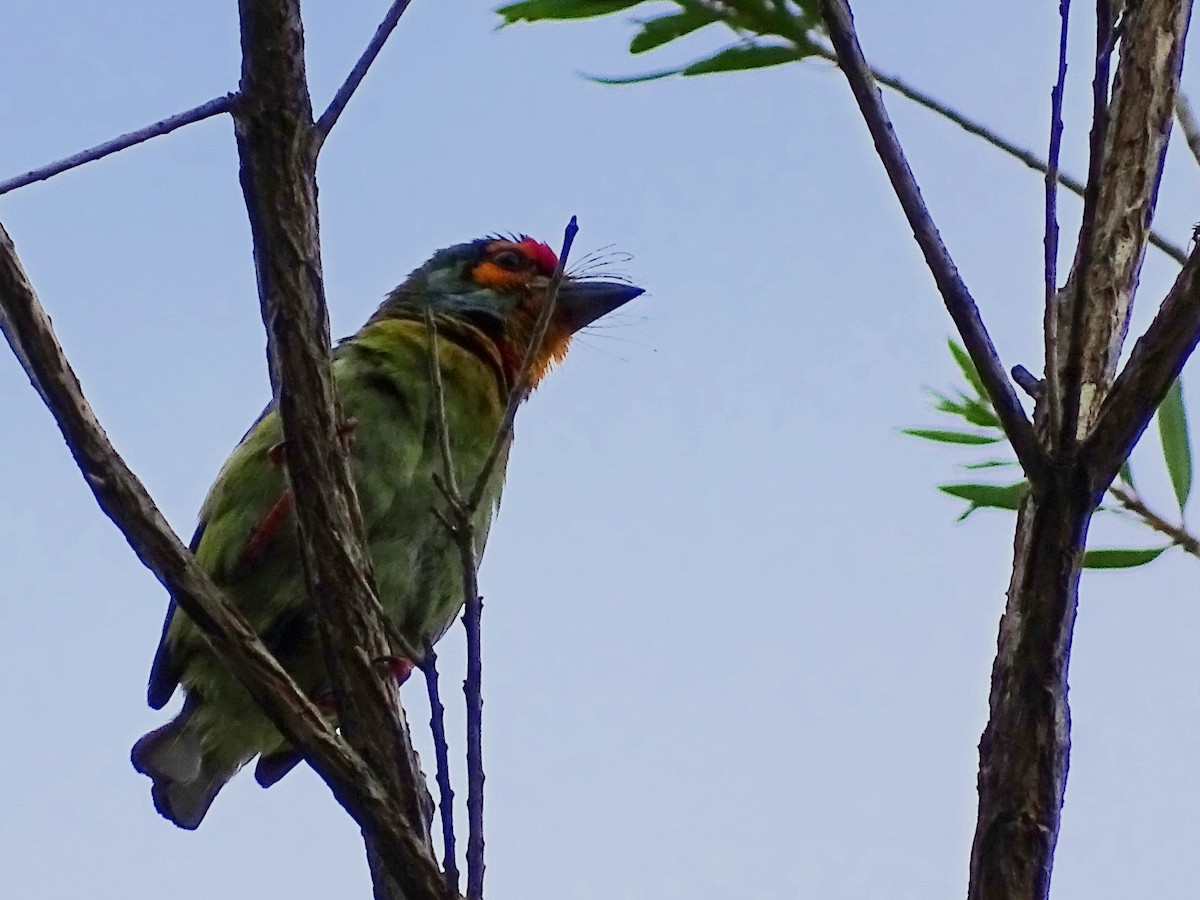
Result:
[
  {"x": 634, "y": 79},
  {"x": 967, "y": 366},
  {"x": 665, "y": 29},
  {"x": 974, "y": 411},
  {"x": 1126, "y": 474},
  {"x": 746, "y": 56},
  {"x": 978, "y": 413},
  {"x": 1120, "y": 559},
  {"x": 990, "y": 464},
  {"x": 731, "y": 59},
  {"x": 1177, "y": 449},
  {"x": 537, "y": 10},
  {"x": 987, "y": 496},
  {"x": 950, "y": 437}
]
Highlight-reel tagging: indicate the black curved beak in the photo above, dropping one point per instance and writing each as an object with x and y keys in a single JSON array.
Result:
[{"x": 581, "y": 303}]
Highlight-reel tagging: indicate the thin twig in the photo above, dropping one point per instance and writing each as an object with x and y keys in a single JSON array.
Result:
[
  {"x": 437, "y": 724},
  {"x": 358, "y": 73},
  {"x": 1177, "y": 533},
  {"x": 448, "y": 486},
  {"x": 977, "y": 129},
  {"x": 1056, "y": 130},
  {"x": 517, "y": 394},
  {"x": 1187, "y": 123},
  {"x": 1065, "y": 375},
  {"x": 458, "y": 521},
  {"x": 473, "y": 689},
  {"x": 958, "y": 300},
  {"x": 207, "y": 110}
]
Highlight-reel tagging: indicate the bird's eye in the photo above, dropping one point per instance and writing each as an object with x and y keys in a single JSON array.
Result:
[{"x": 511, "y": 260}]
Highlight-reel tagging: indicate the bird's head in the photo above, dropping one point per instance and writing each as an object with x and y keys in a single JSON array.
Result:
[{"x": 499, "y": 285}]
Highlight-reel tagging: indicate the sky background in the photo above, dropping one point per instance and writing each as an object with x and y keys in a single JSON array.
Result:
[{"x": 735, "y": 644}]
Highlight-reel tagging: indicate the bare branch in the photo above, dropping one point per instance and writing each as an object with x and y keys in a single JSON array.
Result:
[
  {"x": 1154, "y": 364},
  {"x": 459, "y": 523},
  {"x": 1056, "y": 130},
  {"x": 124, "y": 499},
  {"x": 1129, "y": 146},
  {"x": 961, "y": 306},
  {"x": 1179, "y": 535},
  {"x": 987, "y": 135},
  {"x": 207, "y": 110},
  {"x": 1187, "y": 123},
  {"x": 437, "y": 725},
  {"x": 277, "y": 146},
  {"x": 359, "y": 72}
]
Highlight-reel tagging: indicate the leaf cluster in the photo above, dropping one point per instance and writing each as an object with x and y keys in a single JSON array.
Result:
[
  {"x": 768, "y": 32},
  {"x": 977, "y": 425}
]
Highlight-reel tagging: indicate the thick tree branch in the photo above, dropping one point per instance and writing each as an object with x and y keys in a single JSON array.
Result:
[
  {"x": 1155, "y": 362},
  {"x": 1128, "y": 152},
  {"x": 207, "y": 110},
  {"x": 1024, "y": 752},
  {"x": 359, "y": 72},
  {"x": 123, "y": 499},
  {"x": 277, "y": 146},
  {"x": 960, "y": 305}
]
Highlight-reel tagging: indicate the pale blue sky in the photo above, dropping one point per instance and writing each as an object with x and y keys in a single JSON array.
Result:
[{"x": 735, "y": 643}]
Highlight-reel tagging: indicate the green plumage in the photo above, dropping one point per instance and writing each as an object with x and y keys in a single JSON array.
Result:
[{"x": 247, "y": 540}]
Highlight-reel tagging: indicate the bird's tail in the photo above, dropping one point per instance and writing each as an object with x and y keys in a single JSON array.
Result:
[{"x": 186, "y": 779}]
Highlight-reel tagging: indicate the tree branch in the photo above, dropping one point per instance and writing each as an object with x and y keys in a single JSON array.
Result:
[
  {"x": 277, "y": 146},
  {"x": 960, "y": 305},
  {"x": 437, "y": 725},
  {"x": 459, "y": 523},
  {"x": 1056, "y": 130},
  {"x": 1187, "y": 123},
  {"x": 1179, "y": 535},
  {"x": 1128, "y": 151},
  {"x": 1154, "y": 364},
  {"x": 359, "y": 72},
  {"x": 207, "y": 110},
  {"x": 977, "y": 129},
  {"x": 125, "y": 501}
]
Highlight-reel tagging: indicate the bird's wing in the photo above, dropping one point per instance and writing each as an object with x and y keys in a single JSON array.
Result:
[{"x": 238, "y": 523}]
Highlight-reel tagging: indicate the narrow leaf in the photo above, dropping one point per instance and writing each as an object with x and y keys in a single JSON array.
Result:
[
  {"x": 665, "y": 29},
  {"x": 990, "y": 464},
  {"x": 633, "y": 79},
  {"x": 535, "y": 10},
  {"x": 950, "y": 437},
  {"x": 1120, "y": 559},
  {"x": 988, "y": 496},
  {"x": 967, "y": 366},
  {"x": 741, "y": 58},
  {"x": 1177, "y": 449}
]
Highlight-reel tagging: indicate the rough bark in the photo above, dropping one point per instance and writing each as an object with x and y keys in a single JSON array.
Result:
[
  {"x": 277, "y": 146},
  {"x": 1024, "y": 752}
]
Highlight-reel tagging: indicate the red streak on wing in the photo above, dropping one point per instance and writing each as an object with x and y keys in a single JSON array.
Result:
[{"x": 264, "y": 533}]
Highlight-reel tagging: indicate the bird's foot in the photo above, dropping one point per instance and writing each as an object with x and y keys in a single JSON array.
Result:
[{"x": 399, "y": 667}]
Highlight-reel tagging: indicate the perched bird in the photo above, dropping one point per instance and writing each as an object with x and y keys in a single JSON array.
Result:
[{"x": 485, "y": 297}]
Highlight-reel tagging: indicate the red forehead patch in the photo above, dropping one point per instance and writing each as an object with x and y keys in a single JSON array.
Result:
[{"x": 545, "y": 258}]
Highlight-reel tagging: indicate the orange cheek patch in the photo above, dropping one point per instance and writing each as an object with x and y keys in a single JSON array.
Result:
[
  {"x": 554, "y": 348},
  {"x": 491, "y": 275}
]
